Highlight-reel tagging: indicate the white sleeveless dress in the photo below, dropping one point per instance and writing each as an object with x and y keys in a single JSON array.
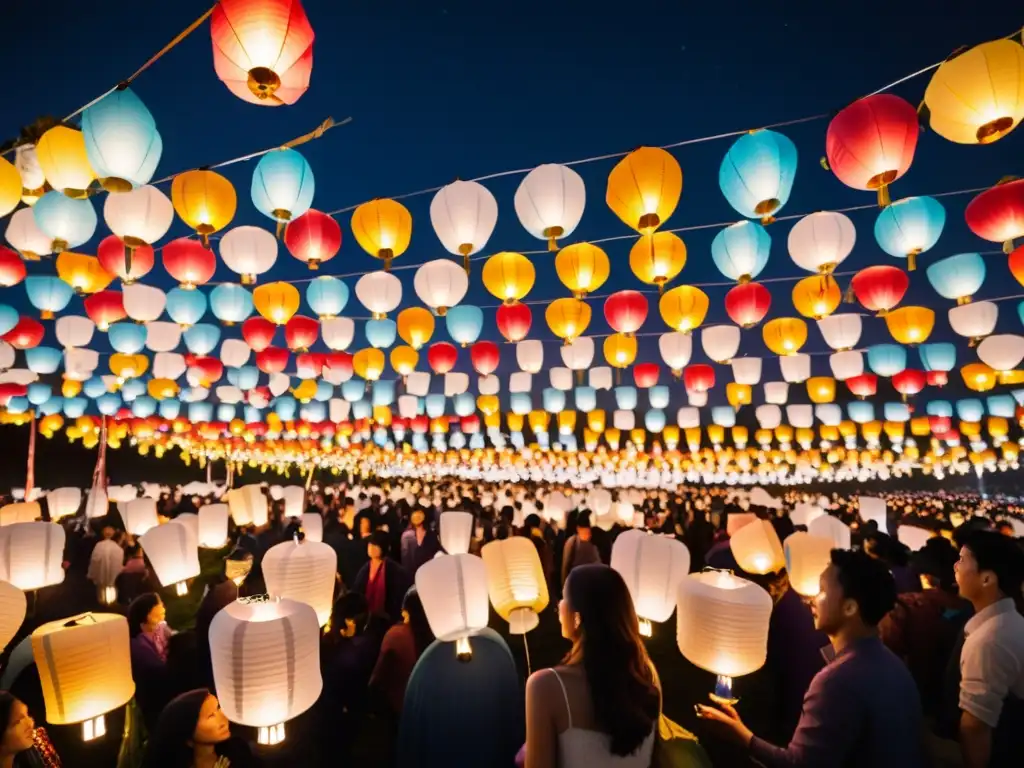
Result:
[{"x": 582, "y": 748}]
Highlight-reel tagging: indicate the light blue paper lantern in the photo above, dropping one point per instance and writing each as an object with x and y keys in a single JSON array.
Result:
[
  {"x": 353, "y": 390},
  {"x": 382, "y": 392},
  {"x": 654, "y": 420},
  {"x": 324, "y": 391},
  {"x": 910, "y": 226},
  {"x": 75, "y": 406},
  {"x": 586, "y": 399},
  {"x": 314, "y": 412},
  {"x": 553, "y": 400},
  {"x": 887, "y": 359},
  {"x": 200, "y": 412},
  {"x": 327, "y": 296},
  {"x": 757, "y": 174},
  {"x": 285, "y": 407},
  {"x": 131, "y": 389},
  {"x": 740, "y": 251},
  {"x": 658, "y": 396},
  {"x": 381, "y": 333},
  {"x": 435, "y": 405},
  {"x": 476, "y": 442},
  {"x": 50, "y": 295},
  {"x": 464, "y": 323},
  {"x": 186, "y": 308},
  {"x": 569, "y": 443},
  {"x": 970, "y": 409},
  {"x": 517, "y": 440},
  {"x": 52, "y": 406},
  {"x": 121, "y": 140},
  {"x": 941, "y": 408},
  {"x": 143, "y": 407},
  {"x": 723, "y": 416},
  {"x": 252, "y": 415},
  {"x": 937, "y": 357},
  {"x": 521, "y": 403},
  {"x": 169, "y": 408},
  {"x": 625, "y": 398},
  {"x": 9, "y": 317},
  {"x": 109, "y": 404},
  {"x": 957, "y": 277},
  {"x": 231, "y": 303},
  {"x": 543, "y": 440},
  {"x": 38, "y": 393},
  {"x": 202, "y": 338},
  {"x": 861, "y": 411},
  {"x": 67, "y": 221},
  {"x": 43, "y": 360},
  {"x": 896, "y": 412},
  {"x": 245, "y": 378},
  {"x": 361, "y": 409},
  {"x": 419, "y": 442},
  {"x": 225, "y": 412},
  {"x": 127, "y": 338},
  {"x": 94, "y": 387},
  {"x": 282, "y": 185},
  {"x": 1003, "y": 406},
  {"x": 380, "y": 436},
  {"x": 18, "y": 405},
  {"x": 464, "y": 404}
]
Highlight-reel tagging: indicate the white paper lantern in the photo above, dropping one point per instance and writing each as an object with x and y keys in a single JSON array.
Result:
[
  {"x": 463, "y": 215},
  {"x": 975, "y": 320},
  {"x": 652, "y": 567},
  {"x": 530, "y": 355},
  {"x": 912, "y": 537},
  {"x": 1002, "y": 352},
  {"x": 549, "y": 202},
  {"x": 841, "y": 332},
  {"x": 23, "y": 512},
  {"x": 248, "y": 251},
  {"x": 303, "y": 571},
  {"x": 757, "y": 548},
  {"x": 515, "y": 582},
  {"x": 337, "y": 332},
  {"x": 777, "y": 392},
  {"x": 821, "y": 241},
  {"x": 32, "y": 554},
  {"x": 872, "y": 508},
  {"x": 456, "y": 531},
  {"x": 266, "y": 663},
  {"x": 191, "y": 521},
  {"x": 12, "y": 612},
  {"x": 162, "y": 336},
  {"x": 488, "y": 385},
  {"x": 579, "y": 355},
  {"x": 831, "y": 528},
  {"x": 248, "y": 505},
  {"x": 139, "y": 217},
  {"x": 676, "y": 348},
  {"x": 796, "y": 369},
  {"x": 63, "y": 502},
  {"x": 768, "y": 416},
  {"x": 144, "y": 304},
  {"x": 173, "y": 552},
  {"x": 807, "y": 557},
  {"x": 600, "y": 377},
  {"x": 846, "y": 365},
  {"x": 312, "y": 526},
  {"x": 84, "y": 668},
  {"x": 803, "y": 514},
  {"x": 74, "y": 331},
  {"x": 294, "y": 500},
  {"x": 140, "y": 515},
  {"x": 720, "y": 342},
  {"x": 26, "y": 237},
  {"x": 380, "y": 292},
  {"x": 441, "y": 284},
  {"x": 746, "y": 370},
  {"x": 453, "y": 590},
  {"x": 213, "y": 526}
]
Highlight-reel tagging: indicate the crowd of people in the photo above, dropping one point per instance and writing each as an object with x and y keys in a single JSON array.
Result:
[{"x": 904, "y": 658}]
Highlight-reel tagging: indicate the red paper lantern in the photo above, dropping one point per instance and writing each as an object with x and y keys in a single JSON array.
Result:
[
  {"x": 871, "y": 143},
  {"x": 879, "y": 289},
  {"x": 272, "y": 359},
  {"x": 339, "y": 361},
  {"x": 484, "y": 355},
  {"x": 105, "y": 308},
  {"x": 310, "y": 362},
  {"x": 997, "y": 214},
  {"x": 28, "y": 333},
  {"x": 262, "y": 49},
  {"x": 111, "y": 255},
  {"x": 9, "y": 389},
  {"x": 470, "y": 424},
  {"x": 940, "y": 425},
  {"x": 258, "y": 397},
  {"x": 865, "y": 385},
  {"x": 189, "y": 262},
  {"x": 420, "y": 424},
  {"x": 442, "y": 357},
  {"x": 513, "y": 321},
  {"x": 909, "y": 382},
  {"x": 698, "y": 378},
  {"x": 625, "y": 311},
  {"x": 300, "y": 333},
  {"x": 12, "y": 268},
  {"x": 209, "y": 369},
  {"x": 646, "y": 374},
  {"x": 258, "y": 333},
  {"x": 313, "y": 237},
  {"x": 748, "y": 304},
  {"x": 937, "y": 378}
]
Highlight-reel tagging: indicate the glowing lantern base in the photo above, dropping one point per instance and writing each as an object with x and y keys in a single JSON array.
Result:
[
  {"x": 723, "y": 691},
  {"x": 94, "y": 728},
  {"x": 270, "y": 735},
  {"x": 463, "y": 650}
]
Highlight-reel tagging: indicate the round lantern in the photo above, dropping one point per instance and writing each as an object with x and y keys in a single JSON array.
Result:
[
  {"x": 1002, "y": 352},
  {"x": 974, "y": 97},
  {"x": 513, "y": 321},
  {"x": 282, "y": 185},
  {"x": 12, "y": 268},
  {"x": 740, "y": 251},
  {"x": 33, "y": 554},
  {"x": 403, "y": 360},
  {"x": 68, "y": 222},
  {"x": 515, "y": 582},
  {"x": 188, "y": 262},
  {"x": 272, "y": 360},
  {"x": 975, "y": 320},
  {"x": 25, "y": 335},
  {"x": 327, "y": 296},
  {"x": 49, "y": 295},
  {"x": 508, "y": 276},
  {"x": 817, "y": 296},
  {"x": 549, "y": 202},
  {"x": 625, "y": 311},
  {"x": 757, "y": 548},
  {"x": 887, "y": 359},
  {"x": 204, "y": 200},
  {"x": 785, "y": 335},
  {"x": 83, "y": 273},
  {"x": 380, "y": 292},
  {"x": 313, "y": 238},
  {"x": 582, "y": 268},
  {"x": 807, "y": 557},
  {"x": 128, "y": 264},
  {"x": 262, "y": 51},
  {"x": 676, "y": 349},
  {"x": 698, "y": 378},
  {"x": 121, "y": 140},
  {"x": 266, "y": 662},
  {"x": 821, "y": 241},
  {"x": 657, "y": 258},
  {"x": 173, "y": 552},
  {"x": 440, "y": 284},
  {"x": 620, "y": 350},
  {"x": 871, "y": 143},
  {"x": 880, "y": 288},
  {"x": 64, "y": 161},
  {"x": 997, "y": 214},
  {"x": 300, "y": 333},
  {"x": 85, "y": 669},
  {"x": 465, "y": 322},
  {"x": 442, "y": 357},
  {"x": 910, "y": 227},
  {"x": 463, "y": 214},
  {"x": 26, "y": 237},
  {"x": 105, "y": 308},
  {"x": 644, "y": 188},
  {"x": 910, "y": 325},
  {"x": 249, "y": 251},
  {"x": 276, "y": 302},
  {"x": 415, "y": 326},
  {"x": 303, "y": 571},
  {"x": 683, "y": 308},
  {"x": 258, "y": 333},
  {"x": 453, "y": 590},
  {"x": 369, "y": 364},
  {"x": 383, "y": 228},
  {"x": 568, "y": 318},
  {"x": 756, "y": 175},
  {"x": 958, "y": 277},
  {"x": 484, "y": 356},
  {"x": 10, "y": 187},
  {"x": 978, "y": 377},
  {"x": 652, "y": 567},
  {"x": 747, "y": 304},
  {"x": 909, "y": 382}
]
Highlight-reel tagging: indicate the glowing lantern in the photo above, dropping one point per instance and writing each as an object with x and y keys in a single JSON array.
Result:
[
  {"x": 740, "y": 251},
  {"x": 105, "y": 308},
  {"x": 442, "y": 357},
  {"x": 189, "y": 262},
  {"x": 1002, "y": 352},
  {"x": 652, "y": 567},
  {"x": 549, "y": 202},
  {"x": 910, "y": 227},
  {"x": 403, "y": 360},
  {"x": 515, "y": 582},
  {"x": 817, "y": 296},
  {"x": 64, "y": 161},
  {"x": 83, "y": 273},
  {"x": 644, "y": 188},
  {"x": 657, "y": 258},
  {"x": 25, "y": 335},
  {"x": 871, "y": 143},
  {"x": 997, "y": 214},
  {"x": 272, "y": 360},
  {"x": 114, "y": 257},
  {"x": 720, "y": 342},
  {"x": 368, "y": 364},
  {"x": 204, "y": 200},
  {"x": 975, "y": 320},
  {"x": 887, "y": 359},
  {"x": 909, "y": 382},
  {"x": 34, "y": 552},
  {"x": 10, "y": 187},
  {"x": 513, "y": 321},
  {"x": 841, "y": 332},
  {"x": 282, "y": 185},
  {"x": 277, "y": 302},
  {"x": 620, "y": 350},
  {"x": 68, "y": 222},
  {"x": 463, "y": 214},
  {"x": 49, "y": 295},
  {"x": 262, "y": 51},
  {"x": 121, "y": 140},
  {"x": 880, "y": 288},
  {"x": 415, "y": 326},
  {"x": 300, "y": 333},
  {"x": 676, "y": 348},
  {"x": 568, "y": 318},
  {"x": 958, "y": 277},
  {"x": 756, "y": 175},
  {"x": 128, "y": 366},
  {"x": 26, "y": 237},
  {"x": 757, "y": 548},
  {"x": 173, "y": 551},
  {"x": 303, "y": 571},
  {"x": 508, "y": 276},
  {"x": 625, "y": 311},
  {"x": 383, "y": 228},
  {"x": 258, "y": 333},
  {"x": 683, "y": 308},
  {"x": 327, "y": 296},
  {"x": 12, "y": 268},
  {"x": 698, "y": 378},
  {"x": 821, "y": 241},
  {"x": 248, "y": 251},
  {"x": 807, "y": 557},
  {"x": 978, "y": 377},
  {"x": 910, "y": 325},
  {"x": 785, "y": 335},
  {"x": 582, "y": 268},
  {"x": 454, "y": 590},
  {"x": 974, "y": 97},
  {"x": 440, "y": 284},
  {"x": 484, "y": 355}
]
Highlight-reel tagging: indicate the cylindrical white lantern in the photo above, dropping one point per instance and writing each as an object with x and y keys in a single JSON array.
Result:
[
  {"x": 872, "y": 508},
  {"x": 757, "y": 548},
  {"x": 303, "y": 571},
  {"x": 266, "y": 663},
  {"x": 807, "y": 556},
  {"x": 213, "y": 526},
  {"x": 63, "y": 502},
  {"x": 32, "y": 554},
  {"x": 22, "y": 512},
  {"x": 453, "y": 590},
  {"x": 173, "y": 552},
  {"x": 140, "y": 515},
  {"x": 456, "y": 532},
  {"x": 294, "y": 500},
  {"x": 191, "y": 521},
  {"x": 652, "y": 567},
  {"x": 85, "y": 669},
  {"x": 248, "y": 505},
  {"x": 313, "y": 526},
  {"x": 515, "y": 582},
  {"x": 831, "y": 528},
  {"x": 12, "y": 612}
]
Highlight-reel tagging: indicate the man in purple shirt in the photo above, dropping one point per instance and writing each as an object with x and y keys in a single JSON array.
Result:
[{"x": 863, "y": 708}]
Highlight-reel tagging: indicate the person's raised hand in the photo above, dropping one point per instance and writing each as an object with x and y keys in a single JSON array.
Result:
[{"x": 727, "y": 719}]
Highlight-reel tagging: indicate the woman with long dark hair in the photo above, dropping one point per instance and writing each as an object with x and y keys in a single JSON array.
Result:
[
  {"x": 193, "y": 732},
  {"x": 601, "y": 706},
  {"x": 22, "y": 745}
]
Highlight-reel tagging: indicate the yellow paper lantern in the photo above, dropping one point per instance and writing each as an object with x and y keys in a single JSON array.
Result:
[
  {"x": 64, "y": 162},
  {"x": 82, "y": 272},
  {"x": 277, "y": 302},
  {"x": 620, "y": 350},
  {"x": 644, "y": 188},
  {"x": 403, "y": 360},
  {"x": 515, "y": 422},
  {"x": 305, "y": 391},
  {"x": 508, "y": 276},
  {"x": 821, "y": 389},
  {"x": 817, "y": 296},
  {"x": 567, "y": 422},
  {"x": 489, "y": 406},
  {"x": 128, "y": 366},
  {"x": 10, "y": 186},
  {"x": 683, "y": 308},
  {"x": 785, "y": 335},
  {"x": 70, "y": 388},
  {"x": 515, "y": 582},
  {"x": 978, "y": 377},
  {"x": 807, "y": 557},
  {"x": 204, "y": 200},
  {"x": 415, "y": 326},
  {"x": 757, "y": 548},
  {"x": 738, "y": 394},
  {"x": 657, "y": 258},
  {"x": 538, "y": 421},
  {"x": 568, "y": 318},
  {"x": 910, "y": 325},
  {"x": 160, "y": 389},
  {"x": 383, "y": 228},
  {"x": 582, "y": 268},
  {"x": 368, "y": 363}
]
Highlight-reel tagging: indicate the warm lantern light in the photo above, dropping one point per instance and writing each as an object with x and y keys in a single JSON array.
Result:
[
  {"x": 313, "y": 237},
  {"x": 549, "y": 202},
  {"x": 997, "y": 214},
  {"x": 113, "y": 256},
  {"x": 817, "y": 296},
  {"x": 33, "y": 555},
  {"x": 369, "y": 364},
  {"x": 49, "y": 295},
  {"x": 189, "y": 262},
  {"x": 26, "y": 237},
  {"x": 440, "y": 284},
  {"x": 880, "y": 288},
  {"x": 105, "y": 308},
  {"x": 807, "y": 557},
  {"x": 910, "y": 325},
  {"x": 83, "y": 273},
  {"x": 625, "y": 311},
  {"x": 909, "y": 382},
  {"x": 910, "y": 227},
  {"x": 657, "y": 258},
  {"x": 652, "y": 567},
  {"x": 453, "y": 590},
  {"x": 785, "y": 335},
  {"x": 747, "y": 304},
  {"x": 12, "y": 268},
  {"x": 64, "y": 161},
  {"x": 303, "y": 571},
  {"x": 442, "y": 357},
  {"x": 741, "y": 251},
  {"x": 508, "y": 276},
  {"x": 683, "y": 308},
  {"x": 415, "y": 326},
  {"x": 463, "y": 214},
  {"x": 620, "y": 350},
  {"x": 1002, "y": 352},
  {"x": 249, "y": 251},
  {"x": 277, "y": 302},
  {"x": 12, "y": 612},
  {"x": 757, "y": 548},
  {"x": 582, "y": 268},
  {"x": 380, "y": 292},
  {"x": 204, "y": 200},
  {"x": 871, "y": 143},
  {"x": 821, "y": 241},
  {"x": 513, "y": 321},
  {"x": 262, "y": 51},
  {"x": 978, "y": 377},
  {"x": 383, "y": 228},
  {"x": 10, "y": 187},
  {"x": 121, "y": 140},
  {"x": 568, "y": 318},
  {"x": 821, "y": 389},
  {"x": 173, "y": 551},
  {"x": 28, "y": 333},
  {"x": 403, "y": 360},
  {"x": 644, "y": 188},
  {"x": 515, "y": 582}
]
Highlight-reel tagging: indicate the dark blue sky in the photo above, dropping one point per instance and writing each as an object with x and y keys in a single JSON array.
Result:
[{"x": 458, "y": 89}]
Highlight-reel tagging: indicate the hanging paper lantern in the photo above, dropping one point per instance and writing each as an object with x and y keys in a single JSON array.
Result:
[
  {"x": 816, "y": 297},
  {"x": 277, "y": 302},
  {"x": 880, "y": 288},
  {"x": 300, "y": 333},
  {"x": 645, "y": 375},
  {"x": 121, "y": 141},
  {"x": 720, "y": 342},
  {"x": 747, "y": 304},
  {"x": 204, "y": 200},
  {"x": 683, "y": 308},
  {"x": 64, "y": 161},
  {"x": 958, "y": 277},
  {"x": 997, "y": 214},
  {"x": 582, "y": 268},
  {"x": 841, "y": 332},
  {"x": 909, "y": 382},
  {"x": 549, "y": 202},
  {"x": 508, "y": 276},
  {"x": 974, "y": 321},
  {"x": 415, "y": 326},
  {"x": 463, "y": 214},
  {"x": 272, "y": 360},
  {"x": 756, "y": 175},
  {"x": 484, "y": 355},
  {"x": 337, "y": 332},
  {"x": 910, "y": 227},
  {"x": 657, "y": 258},
  {"x": 440, "y": 284},
  {"x": 327, "y": 296},
  {"x": 83, "y": 273},
  {"x": 186, "y": 307},
  {"x": 465, "y": 322},
  {"x": 568, "y": 318},
  {"x": 262, "y": 51},
  {"x": 126, "y": 338},
  {"x": 10, "y": 187},
  {"x": 871, "y": 143},
  {"x": 937, "y": 357},
  {"x": 313, "y": 238},
  {"x": 644, "y": 188},
  {"x": 821, "y": 241},
  {"x": 26, "y": 237},
  {"x": 249, "y": 251},
  {"x": 515, "y": 582},
  {"x": 369, "y": 363},
  {"x": 105, "y": 308},
  {"x": 513, "y": 321},
  {"x": 974, "y": 97},
  {"x": 128, "y": 366},
  {"x": 698, "y": 378},
  {"x": 620, "y": 350},
  {"x": 1002, "y": 352},
  {"x": 68, "y": 222},
  {"x": 910, "y": 325},
  {"x": 403, "y": 360},
  {"x": 380, "y": 292},
  {"x": 978, "y": 377},
  {"x": 302, "y": 571},
  {"x": 740, "y": 251},
  {"x": 49, "y": 295},
  {"x": 12, "y": 268},
  {"x": 625, "y": 311},
  {"x": 113, "y": 257},
  {"x": 189, "y": 262},
  {"x": 887, "y": 359},
  {"x": 282, "y": 185},
  {"x": 383, "y": 228},
  {"x": 785, "y": 335},
  {"x": 676, "y": 349},
  {"x": 33, "y": 182},
  {"x": 442, "y": 357}
]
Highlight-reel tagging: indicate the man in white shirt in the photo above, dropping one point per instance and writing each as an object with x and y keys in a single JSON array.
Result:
[
  {"x": 990, "y": 573},
  {"x": 106, "y": 562}
]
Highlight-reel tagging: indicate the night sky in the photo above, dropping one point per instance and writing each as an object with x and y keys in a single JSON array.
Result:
[{"x": 446, "y": 90}]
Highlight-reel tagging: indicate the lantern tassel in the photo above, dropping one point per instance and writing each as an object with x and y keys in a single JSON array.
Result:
[{"x": 883, "y": 196}]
